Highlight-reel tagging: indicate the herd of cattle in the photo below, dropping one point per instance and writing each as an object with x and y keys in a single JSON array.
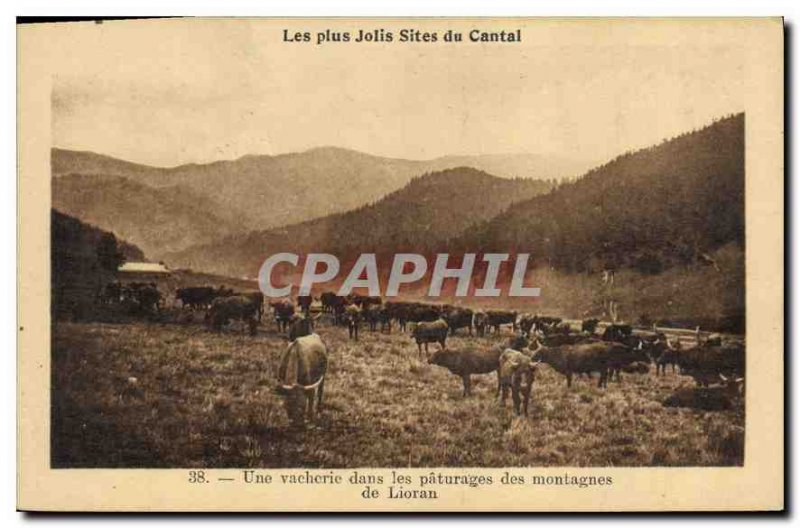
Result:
[{"x": 717, "y": 365}]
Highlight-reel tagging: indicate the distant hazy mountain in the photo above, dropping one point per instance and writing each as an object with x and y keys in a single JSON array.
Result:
[
  {"x": 155, "y": 219},
  {"x": 165, "y": 210},
  {"x": 270, "y": 191},
  {"x": 422, "y": 216}
]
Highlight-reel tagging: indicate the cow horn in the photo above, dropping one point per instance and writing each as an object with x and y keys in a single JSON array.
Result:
[{"x": 723, "y": 378}]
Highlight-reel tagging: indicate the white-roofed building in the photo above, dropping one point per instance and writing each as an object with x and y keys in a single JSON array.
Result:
[{"x": 143, "y": 272}]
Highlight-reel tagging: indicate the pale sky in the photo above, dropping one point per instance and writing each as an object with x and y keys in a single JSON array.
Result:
[{"x": 171, "y": 92}]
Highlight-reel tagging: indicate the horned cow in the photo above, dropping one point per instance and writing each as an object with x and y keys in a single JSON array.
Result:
[{"x": 301, "y": 377}]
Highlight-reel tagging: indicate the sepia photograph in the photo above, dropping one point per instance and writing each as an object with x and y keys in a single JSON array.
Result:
[{"x": 430, "y": 244}]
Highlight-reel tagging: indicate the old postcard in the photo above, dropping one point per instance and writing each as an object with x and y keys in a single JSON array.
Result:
[{"x": 401, "y": 265}]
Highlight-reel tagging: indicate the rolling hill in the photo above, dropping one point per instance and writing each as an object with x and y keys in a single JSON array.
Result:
[{"x": 422, "y": 216}]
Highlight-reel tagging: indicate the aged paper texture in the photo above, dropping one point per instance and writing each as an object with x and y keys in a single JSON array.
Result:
[{"x": 401, "y": 265}]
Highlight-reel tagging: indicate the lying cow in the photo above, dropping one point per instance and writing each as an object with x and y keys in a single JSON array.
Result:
[
  {"x": 430, "y": 332},
  {"x": 301, "y": 377},
  {"x": 516, "y": 373},
  {"x": 706, "y": 363},
  {"x": 235, "y": 307},
  {"x": 721, "y": 398}
]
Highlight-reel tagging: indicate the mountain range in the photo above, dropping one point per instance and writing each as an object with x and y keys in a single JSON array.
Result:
[
  {"x": 196, "y": 204},
  {"x": 421, "y": 217},
  {"x": 670, "y": 204}
]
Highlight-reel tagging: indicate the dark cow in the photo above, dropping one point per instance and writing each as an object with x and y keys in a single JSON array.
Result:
[
  {"x": 196, "y": 296},
  {"x": 550, "y": 325},
  {"x": 661, "y": 352},
  {"x": 396, "y": 311},
  {"x": 623, "y": 334},
  {"x": 257, "y": 298},
  {"x": 556, "y": 340},
  {"x": 705, "y": 364},
  {"x": 234, "y": 307},
  {"x": 458, "y": 318},
  {"x": 224, "y": 291},
  {"x": 516, "y": 373},
  {"x": 624, "y": 357},
  {"x": 304, "y": 303},
  {"x": 301, "y": 325},
  {"x": 372, "y": 315},
  {"x": 112, "y": 293},
  {"x": 468, "y": 361},
  {"x": 148, "y": 299},
  {"x": 480, "y": 320},
  {"x": 330, "y": 302},
  {"x": 721, "y": 398},
  {"x": 495, "y": 318},
  {"x": 385, "y": 319},
  {"x": 430, "y": 332},
  {"x": 583, "y": 358},
  {"x": 619, "y": 333},
  {"x": 363, "y": 301},
  {"x": 526, "y": 323},
  {"x": 301, "y": 377},
  {"x": 589, "y": 325},
  {"x": 351, "y": 316},
  {"x": 283, "y": 310},
  {"x": 421, "y": 312}
]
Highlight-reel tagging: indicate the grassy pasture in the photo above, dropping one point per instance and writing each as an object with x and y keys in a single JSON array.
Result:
[{"x": 175, "y": 395}]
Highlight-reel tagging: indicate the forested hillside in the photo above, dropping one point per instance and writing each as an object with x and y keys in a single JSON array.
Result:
[{"x": 669, "y": 204}]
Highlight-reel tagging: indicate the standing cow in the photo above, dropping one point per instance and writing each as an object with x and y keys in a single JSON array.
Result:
[
  {"x": 283, "y": 310},
  {"x": 516, "y": 373},
  {"x": 304, "y": 302},
  {"x": 430, "y": 332},
  {"x": 480, "y": 320},
  {"x": 496, "y": 318},
  {"x": 351, "y": 316},
  {"x": 583, "y": 358}
]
